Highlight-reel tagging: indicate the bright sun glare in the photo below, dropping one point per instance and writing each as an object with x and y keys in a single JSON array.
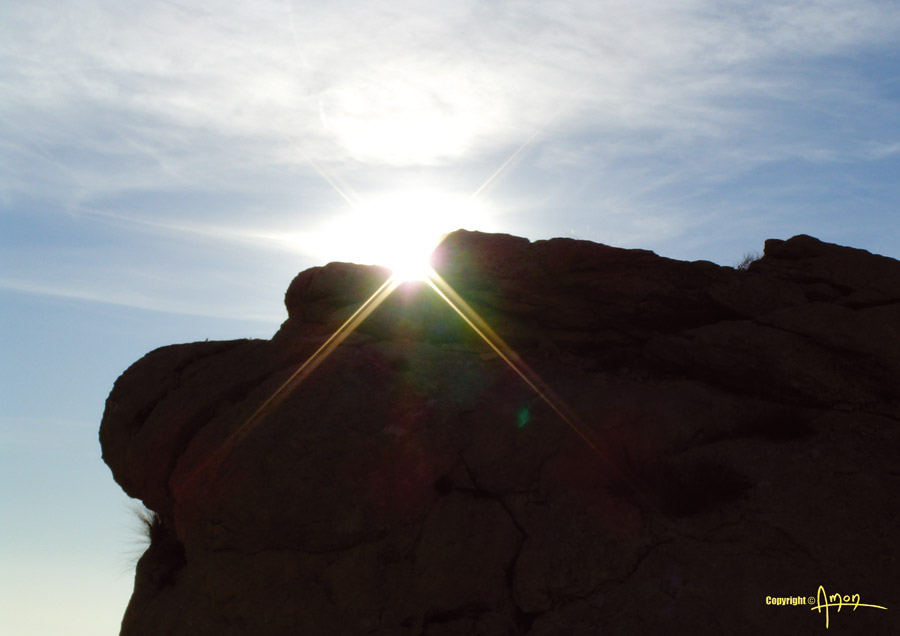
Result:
[{"x": 399, "y": 230}]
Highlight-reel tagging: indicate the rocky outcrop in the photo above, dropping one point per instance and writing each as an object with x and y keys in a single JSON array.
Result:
[{"x": 678, "y": 443}]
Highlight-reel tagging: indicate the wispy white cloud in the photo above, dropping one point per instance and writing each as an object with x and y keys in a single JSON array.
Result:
[
  {"x": 329, "y": 74},
  {"x": 640, "y": 108}
]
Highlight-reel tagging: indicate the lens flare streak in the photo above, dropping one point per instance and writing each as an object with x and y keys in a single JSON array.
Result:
[
  {"x": 380, "y": 295},
  {"x": 298, "y": 376},
  {"x": 532, "y": 379}
]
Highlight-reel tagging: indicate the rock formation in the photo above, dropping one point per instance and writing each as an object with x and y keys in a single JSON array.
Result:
[{"x": 695, "y": 440}]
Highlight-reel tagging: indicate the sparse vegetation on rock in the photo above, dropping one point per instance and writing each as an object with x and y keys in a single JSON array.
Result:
[{"x": 748, "y": 259}]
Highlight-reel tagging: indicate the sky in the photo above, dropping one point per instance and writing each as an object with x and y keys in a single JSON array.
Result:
[{"x": 167, "y": 167}]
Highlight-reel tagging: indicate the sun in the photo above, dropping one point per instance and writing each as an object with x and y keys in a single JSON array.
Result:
[
  {"x": 398, "y": 230},
  {"x": 413, "y": 261}
]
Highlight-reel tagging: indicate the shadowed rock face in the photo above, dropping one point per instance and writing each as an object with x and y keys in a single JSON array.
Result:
[{"x": 744, "y": 427}]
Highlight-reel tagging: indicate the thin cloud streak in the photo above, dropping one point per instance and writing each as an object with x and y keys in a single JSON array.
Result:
[{"x": 135, "y": 300}]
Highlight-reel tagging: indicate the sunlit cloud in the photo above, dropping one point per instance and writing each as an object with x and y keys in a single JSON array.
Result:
[
  {"x": 635, "y": 123},
  {"x": 347, "y": 81}
]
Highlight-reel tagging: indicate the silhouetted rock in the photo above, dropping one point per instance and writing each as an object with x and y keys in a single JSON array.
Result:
[{"x": 711, "y": 438}]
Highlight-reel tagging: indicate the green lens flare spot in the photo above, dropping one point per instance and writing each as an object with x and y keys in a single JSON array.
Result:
[{"x": 523, "y": 417}]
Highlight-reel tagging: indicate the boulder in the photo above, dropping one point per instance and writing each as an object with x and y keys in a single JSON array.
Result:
[{"x": 627, "y": 444}]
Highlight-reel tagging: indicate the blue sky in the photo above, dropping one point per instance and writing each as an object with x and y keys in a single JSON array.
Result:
[{"x": 166, "y": 168}]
